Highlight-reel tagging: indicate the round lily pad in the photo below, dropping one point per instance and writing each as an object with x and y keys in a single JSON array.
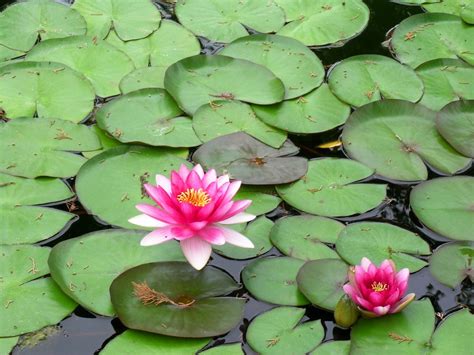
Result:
[
  {"x": 201, "y": 79},
  {"x": 32, "y": 147},
  {"x": 380, "y": 241},
  {"x": 227, "y": 20},
  {"x": 328, "y": 189},
  {"x": 106, "y": 142},
  {"x": 273, "y": 280},
  {"x": 321, "y": 281},
  {"x": 24, "y": 22},
  {"x": 83, "y": 269},
  {"x": 263, "y": 198},
  {"x": 156, "y": 120},
  {"x": 340, "y": 347},
  {"x": 183, "y": 302},
  {"x": 428, "y": 36},
  {"x": 439, "y": 202},
  {"x": 315, "y": 112},
  {"x": 110, "y": 184},
  {"x": 451, "y": 263},
  {"x": 397, "y": 138},
  {"x": 456, "y": 124},
  {"x": 129, "y": 22},
  {"x": 299, "y": 68},
  {"x": 143, "y": 78},
  {"x": 304, "y": 237},
  {"x": 99, "y": 61},
  {"x": 251, "y": 161},
  {"x": 322, "y": 22},
  {"x": 279, "y": 331},
  {"x": 227, "y": 349},
  {"x": 45, "y": 90},
  {"x": 22, "y": 222},
  {"x": 225, "y": 117},
  {"x": 362, "y": 79}
]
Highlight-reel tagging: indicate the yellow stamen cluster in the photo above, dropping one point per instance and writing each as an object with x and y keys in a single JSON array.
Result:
[
  {"x": 197, "y": 198},
  {"x": 379, "y": 287}
]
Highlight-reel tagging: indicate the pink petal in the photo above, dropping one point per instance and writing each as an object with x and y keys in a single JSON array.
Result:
[
  {"x": 198, "y": 170},
  {"x": 393, "y": 297},
  {"x": 402, "y": 275},
  {"x": 375, "y": 298},
  {"x": 147, "y": 221},
  {"x": 221, "y": 180},
  {"x": 183, "y": 172},
  {"x": 364, "y": 303},
  {"x": 365, "y": 263},
  {"x": 380, "y": 311},
  {"x": 231, "y": 191},
  {"x": 197, "y": 225},
  {"x": 156, "y": 237},
  {"x": 235, "y": 238},
  {"x": 193, "y": 181},
  {"x": 164, "y": 183},
  {"x": 160, "y": 196},
  {"x": 182, "y": 232},
  {"x": 196, "y": 251},
  {"x": 237, "y": 207},
  {"x": 177, "y": 184},
  {"x": 156, "y": 213},
  {"x": 212, "y": 235},
  {"x": 348, "y": 289},
  {"x": 242, "y": 217},
  {"x": 209, "y": 178},
  {"x": 405, "y": 301}
]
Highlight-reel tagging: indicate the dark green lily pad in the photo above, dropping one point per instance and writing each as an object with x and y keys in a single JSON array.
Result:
[
  {"x": 321, "y": 281},
  {"x": 340, "y": 347},
  {"x": 273, "y": 280},
  {"x": 225, "y": 117},
  {"x": 227, "y": 349},
  {"x": 247, "y": 159},
  {"x": 192, "y": 308},
  {"x": 396, "y": 138},
  {"x": 451, "y": 263},
  {"x": 227, "y": 20},
  {"x": 322, "y": 22},
  {"x": 106, "y": 141},
  {"x": 304, "y": 237},
  {"x": 32, "y": 147},
  {"x": 456, "y": 124},
  {"x": 279, "y": 331},
  {"x": 201, "y": 79},
  {"x": 110, "y": 184},
  {"x": 362, "y": 79},
  {"x": 439, "y": 202},
  {"x": 45, "y": 90},
  {"x": 315, "y": 112},
  {"x": 328, "y": 189},
  {"x": 299, "y": 68},
  {"x": 143, "y": 78},
  {"x": 263, "y": 198},
  {"x": 380, "y": 241},
  {"x": 22, "y": 222}
]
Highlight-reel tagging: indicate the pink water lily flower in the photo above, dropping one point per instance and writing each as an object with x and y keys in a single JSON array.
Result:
[
  {"x": 193, "y": 208},
  {"x": 378, "y": 290}
]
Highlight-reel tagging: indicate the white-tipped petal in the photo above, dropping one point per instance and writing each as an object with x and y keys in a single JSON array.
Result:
[
  {"x": 365, "y": 263},
  {"x": 164, "y": 183},
  {"x": 198, "y": 170},
  {"x": 241, "y": 217},
  {"x": 196, "y": 251},
  {"x": 144, "y": 220},
  {"x": 158, "y": 236},
  {"x": 235, "y": 238},
  {"x": 221, "y": 180}
]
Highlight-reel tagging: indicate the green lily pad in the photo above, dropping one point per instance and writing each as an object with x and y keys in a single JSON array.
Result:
[
  {"x": 328, "y": 189},
  {"x": 133, "y": 342},
  {"x": 439, "y": 202},
  {"x": 106, "y": 142},
  {"x": 362, "y": 79},
  {"x": 396, "y": 138},
  {"x": 83, "y": 269},
  {"x": 22, "y": 221},
  {"x": 258, "y": 232},
  {"x": 446, "y": 80},
  {"x": 298, "y": 67},
  {"x": 226, "y": 349},
  {"x": 45, "y": 90},
  {"x": 227, "y": 20},
  {"x": 321, "y": 281},
  {"x": 24, "y": 22},
  {"x": 279, "y": 331},
  {"x": 424, "y": 37},
  {"x": 189, "y": 307},
  {"x": 251, "y": 161},
  {"x": 7, "y": 344},
  {"x": 129, "y": 22},
  {"x": 454, "y": 332},
  {"x": 99, "y": 61},
  {"x": 322, "y": 22},
  {"x": 157, "y": 120},
  {"x": 461, "y": 8},
  {"x": 456, "y": 124},
  {"x": 340, "y": 347},
  {"x": 32, "y": 147},
  {"x": 143, "y": 78},
  {"x": 6, "y": 54},
  {"x": 225, "y": 117},
  {"x": 201, "y": 79},
  {"x": 451, "y": 263},
  {"x": 263, "y": 198},
  {"x": 273, "y": 280},
  {"x": 380, "y": 241},
  {"x": 304, "y": 237},
  {"x": 315, "y": 112}
]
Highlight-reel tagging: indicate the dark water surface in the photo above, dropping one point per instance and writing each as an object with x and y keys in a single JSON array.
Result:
[{"x": 84, "y": 333}]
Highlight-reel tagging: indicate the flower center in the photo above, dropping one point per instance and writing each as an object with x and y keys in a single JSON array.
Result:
[
  {"x": 198, "y": 198},
  {"x": 378, "y": 286}
]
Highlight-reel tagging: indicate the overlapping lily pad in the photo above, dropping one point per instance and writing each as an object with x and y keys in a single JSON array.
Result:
[
  {"x": 45, "y": 90},
  {"x": 32, "y": 147},
  {"x": 396, "y": 138},
  {"x": 451, "y": 263},
  {"x": 7, "y": 344},
  {"x": 263, "y": 198},
  {"x": 439, "y": 202},
  {"x": 187, "y": 301},
  {"x": 143, "y": 78},
  {"x": 247, "y": 159},
  {"x": 322, "y": 22},
  {"x": 339, "y": 347},
  {"x": 106, "y": 142},
  {"x": 461, "y": 8},
  {"x": 328, "y": 189},
  {"x": 380, "y": 241},
  {"x": 201, "y": 79}
]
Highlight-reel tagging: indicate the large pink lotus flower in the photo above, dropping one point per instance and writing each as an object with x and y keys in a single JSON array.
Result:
[
  {"x": 378, "y": 290},
  {"x": 192, "y": 208}
]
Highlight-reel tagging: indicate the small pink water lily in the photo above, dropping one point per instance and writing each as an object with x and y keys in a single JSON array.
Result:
[
  {"x": 378, "y": 290},
  {"x": 192, "y": 208}
]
